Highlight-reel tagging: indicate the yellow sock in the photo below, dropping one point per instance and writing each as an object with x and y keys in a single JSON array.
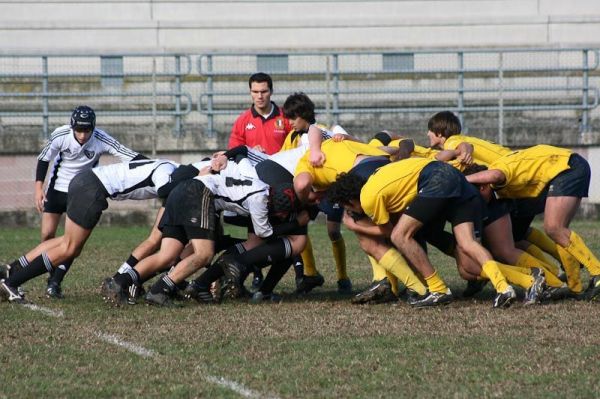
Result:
[
  {"x": 582, "y": 253},
  {"x": 571, "y": 266},
  {"x": 520, "y": 276},
  {"x": 308, "y": 258},
  {"x": 436, "y": 284},
  {"x": 528, "y": 261},
  {"x": 393, "y": 282},
  {"x": 537, "y": 253},
  {"x": 394, "y": 263},
  {"x": 543, "y": 242},
  {"x": 338, "y": 248},
  {"x": 378, "y": 271},
  {"x": 493, "y": 273}
]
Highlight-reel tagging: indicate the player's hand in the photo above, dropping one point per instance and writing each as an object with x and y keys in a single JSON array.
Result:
[
  {"x": 339, "y": 137},
  {"x": 465, "y": 158},
  {"x": 259, "y": 148},
  {"x": 303, "y": 218},
  {"x": 317, "y": 158},
  {"x": 39, "y": 199},
  {"x": 218, "y": 163}
]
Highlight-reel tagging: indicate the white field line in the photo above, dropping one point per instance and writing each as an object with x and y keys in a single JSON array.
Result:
[
  {"x": 141, "y": 351},
  {"x": 235, "y": 387},
  {"x": 46, "y": 311},
  {"x": 137, "y": 349}
]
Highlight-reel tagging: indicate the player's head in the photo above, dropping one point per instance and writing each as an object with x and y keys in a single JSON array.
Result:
[
  {"x": 261, "y": 77},
  {"x": 346, "y": 190},
  {"x": 444, "y": 124},
  {"x": 299, "y": 105},
  {"x": 484, "y": 189},
  {"x": 83, "y": 118},
  {"x": 261, "y": 88},
  {"x": 282, "y": 201}
]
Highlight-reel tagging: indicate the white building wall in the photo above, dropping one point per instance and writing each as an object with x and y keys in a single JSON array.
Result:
[{"x": 196, "y": 25}]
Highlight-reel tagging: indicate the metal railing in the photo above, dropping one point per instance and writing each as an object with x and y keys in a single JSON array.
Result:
[
  {"x": 471, "y": 81},
  {"x": 43, "y": 70}
]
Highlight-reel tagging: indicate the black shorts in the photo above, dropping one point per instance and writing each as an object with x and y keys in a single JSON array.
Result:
[
  {"x": 189, "y": 212},
  {"x": 440, "y": 180},
  {"x": 573, "y": 182},
  {"x": 86, "y": 199},
  {"x": 369, "y": 166},
  {"x": 454, "y": 210},
  {"x": 272, "y": 173},
  {"x": 334, "y": 212},
  {"x": 495, "y": 209},
  {"x": 56, "y": 201}
]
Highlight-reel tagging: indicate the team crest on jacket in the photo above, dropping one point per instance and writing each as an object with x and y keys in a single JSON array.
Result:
[
  {"x": 279, "y": 124},
  {"x": 89, "y": 154}
]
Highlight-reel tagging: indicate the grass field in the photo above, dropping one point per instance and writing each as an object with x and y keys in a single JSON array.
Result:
[{"x": 320, "y": 346}]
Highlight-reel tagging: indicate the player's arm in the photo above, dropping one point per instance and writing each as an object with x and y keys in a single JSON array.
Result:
[
  {"x": 115, "y": 148},
  {"x": 491, "y": 176},
  {"x": 303, "y": 186},
  {"x": 366, "y": 226},
  {"x": 40, "y": 176},
  {"x": 315, "y": 138}
]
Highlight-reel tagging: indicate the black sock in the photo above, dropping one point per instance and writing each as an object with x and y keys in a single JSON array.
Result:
[
  {"x": 211, "y": 274},
  {"x": 132, "y": 260},
  {"x": 271, "y": 252},
  {"x": 128, "y": 278},
  {"x": 36, "y": 267},
  {"x": 164, "y": 285},
  {"x": 58, "y": 274},
  {"x": 225, "y": 242},
  {"x": 275, "y": 274},
  {"x": 298, "y": 266}
]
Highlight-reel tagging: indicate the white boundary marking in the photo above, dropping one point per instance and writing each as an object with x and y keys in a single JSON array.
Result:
[
  {"x": 46, "y": 311},
  {"x": 234, "y": 386},
  {"x": 137, "y": 349},
  {"x": 141, "y": 351}
]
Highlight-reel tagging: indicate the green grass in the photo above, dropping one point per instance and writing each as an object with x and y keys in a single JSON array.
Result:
[{"x": 318, "y": 347}]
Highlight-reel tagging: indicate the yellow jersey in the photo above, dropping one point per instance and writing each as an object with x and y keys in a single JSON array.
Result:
[
  {"x": 484, "y": 152},
  {"x": 528, "y": 171},
  {"x": 339, "y": 157},
  {"x": 392, "y": 188}
]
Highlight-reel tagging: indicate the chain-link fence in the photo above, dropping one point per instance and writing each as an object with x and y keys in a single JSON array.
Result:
[{"x": 187, "y": 103}]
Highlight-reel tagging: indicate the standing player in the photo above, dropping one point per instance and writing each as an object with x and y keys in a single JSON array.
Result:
[
  {"x": 86, "y": 200},
  {"x": 71, "y": 149},
  {"x": 262, "y": 127}
]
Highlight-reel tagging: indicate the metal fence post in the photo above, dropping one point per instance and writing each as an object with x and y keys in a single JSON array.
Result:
[
  {"x": 585, "y": 113},
  {"x": 336, "y": 90},
  {"x": 45, "y": 96},
  {"x": 461, "y": 87},
  {"x": 178, "y": 127},
  {"x": 500, "y": 98},
  {"x": 209, "y": 97}
]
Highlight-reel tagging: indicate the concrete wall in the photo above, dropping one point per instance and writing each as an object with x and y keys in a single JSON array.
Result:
[{"x": 173, "y": 25}]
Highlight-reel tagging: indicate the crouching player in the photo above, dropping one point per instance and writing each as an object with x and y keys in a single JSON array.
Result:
[
  {"x": 422, "y": 191},
  {"x": 87, "y": 196}
]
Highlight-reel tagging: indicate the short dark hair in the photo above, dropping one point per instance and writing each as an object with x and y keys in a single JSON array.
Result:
[
  {"x": 260, "y": 77},
  {"x": 444, "y": 123},
  {"x": 347, "y": 186},
  {"x": 299, "y": 105},
  {"x": 474, "y": 168}
]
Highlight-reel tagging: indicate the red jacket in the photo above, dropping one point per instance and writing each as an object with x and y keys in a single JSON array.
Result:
[{"x": 251, "y": 129}]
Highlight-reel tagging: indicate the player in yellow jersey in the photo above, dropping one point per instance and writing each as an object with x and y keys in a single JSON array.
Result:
[
  {"x": 422, "y": 191},
  {"x": 554, "y": 179},
  {"x": 300, "y": 110}
]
